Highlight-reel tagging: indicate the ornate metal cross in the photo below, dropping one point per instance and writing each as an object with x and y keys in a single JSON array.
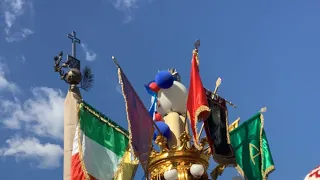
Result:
[
  {"x": 73, "y": 76},
  {"x": 74, "y": 41}
]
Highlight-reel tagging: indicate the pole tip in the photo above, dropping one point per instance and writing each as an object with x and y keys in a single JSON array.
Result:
[
  {"x": 197, "y": 44},
  {"x": 263, "y": 110},
  {"x": 218, "y": 82},
  {"x": 115, "y": 61}
]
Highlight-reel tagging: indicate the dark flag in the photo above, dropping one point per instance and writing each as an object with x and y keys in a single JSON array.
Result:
[
  {"x": 139, "y": 121},
  {"x": 216, "y": 127}
]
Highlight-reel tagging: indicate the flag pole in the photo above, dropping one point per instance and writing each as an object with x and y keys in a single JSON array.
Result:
[
  {"x": 218, "y": 83},
  {"x": 118, "y": 66}
]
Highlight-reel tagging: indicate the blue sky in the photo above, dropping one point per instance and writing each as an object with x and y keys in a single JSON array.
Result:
[{"x": 266, "y": 52}]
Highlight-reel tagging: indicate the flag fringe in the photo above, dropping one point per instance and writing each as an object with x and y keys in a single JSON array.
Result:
[
  {"x": 85, "y": 172},
  {"x": 227, "y": 127},
  {"x": 271, "y": 168},
  {"x": 129, "y": 124},
  {"x": 126, "y": 104},
  {"x": 200, "y": 110},
  {"x": 240, "y": 171},
  {"x": 105, "y": 120}
]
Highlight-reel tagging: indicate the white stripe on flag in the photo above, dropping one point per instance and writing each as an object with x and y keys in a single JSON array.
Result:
[{"x": 99, "y": 161}]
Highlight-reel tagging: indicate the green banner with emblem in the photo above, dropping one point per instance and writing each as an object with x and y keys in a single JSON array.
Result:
[{"x": 251, "y": 148}]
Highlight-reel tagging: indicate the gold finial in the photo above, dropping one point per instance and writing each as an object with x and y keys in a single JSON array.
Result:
[
  {"x": 203, "y": 143},
  {"x": 184, "y": 139},
  {"x": 263, "y": 110},
  {"x": 161, "y": 141}
]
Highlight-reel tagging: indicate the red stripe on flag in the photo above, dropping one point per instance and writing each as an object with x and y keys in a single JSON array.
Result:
[{"x": 77, "y": 172}]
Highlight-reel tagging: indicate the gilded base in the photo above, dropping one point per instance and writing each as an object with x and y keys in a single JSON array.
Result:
[{"x": 179, "y": 158}]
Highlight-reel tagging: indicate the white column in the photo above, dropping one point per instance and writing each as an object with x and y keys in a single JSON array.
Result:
[{"x": 177, "y": 125}]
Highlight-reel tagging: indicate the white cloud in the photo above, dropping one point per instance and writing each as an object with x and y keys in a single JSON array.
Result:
[
  {"x": 47, "y": 155},
  {"x": 5, "y": 84},
  {"x": 42, "y": 114},
  {"x": 125, "y": 5},
  {"x": 19, "y": 35},
  {"x": 17, "y": 14},
  {"x": 90, "y": 55}
]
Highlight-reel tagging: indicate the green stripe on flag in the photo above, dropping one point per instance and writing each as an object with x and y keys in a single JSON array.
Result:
[{"x": 106, "y": 133}]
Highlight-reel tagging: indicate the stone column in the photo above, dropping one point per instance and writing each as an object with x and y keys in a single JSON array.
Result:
[{"x": 70, "y": 122}]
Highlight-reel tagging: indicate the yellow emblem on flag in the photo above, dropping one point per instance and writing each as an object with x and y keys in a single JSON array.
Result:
[{"x": 254, "y": 152}]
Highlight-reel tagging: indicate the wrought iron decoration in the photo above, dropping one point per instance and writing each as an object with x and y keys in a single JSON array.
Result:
[{"x": 73, "y": 75}]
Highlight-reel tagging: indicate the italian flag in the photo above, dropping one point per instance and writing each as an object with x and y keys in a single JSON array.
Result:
[{"x": 99, "y": 148}]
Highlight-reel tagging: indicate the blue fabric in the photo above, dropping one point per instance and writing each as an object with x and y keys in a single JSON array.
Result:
[
  {"x": 164, "y": 129},
  {"x": 153, "y": 107}
]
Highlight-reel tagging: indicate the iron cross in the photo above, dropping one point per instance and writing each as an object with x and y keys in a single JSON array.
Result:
[{"x": 74, "y": 41}]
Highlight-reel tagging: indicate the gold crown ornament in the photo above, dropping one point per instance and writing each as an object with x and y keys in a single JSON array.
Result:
[{"x": 179, "y": 162}]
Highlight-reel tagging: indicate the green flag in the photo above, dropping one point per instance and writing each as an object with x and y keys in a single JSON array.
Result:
[{"x": 251, "y": 149}]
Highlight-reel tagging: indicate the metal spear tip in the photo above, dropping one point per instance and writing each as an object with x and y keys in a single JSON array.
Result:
[
  {"x": 197, "y": 44},
  {"x": 115, "y": 61},
  {"x": 218, "y": 82}
]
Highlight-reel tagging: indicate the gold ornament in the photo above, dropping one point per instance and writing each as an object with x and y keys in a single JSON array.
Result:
[{"x": 180, "y": 158}]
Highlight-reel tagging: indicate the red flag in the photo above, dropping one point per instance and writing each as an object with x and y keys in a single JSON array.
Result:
[{"x": 197, "y": 104}]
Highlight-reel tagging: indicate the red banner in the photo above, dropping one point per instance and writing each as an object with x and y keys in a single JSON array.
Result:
[{"x": 197, "y": 104}]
